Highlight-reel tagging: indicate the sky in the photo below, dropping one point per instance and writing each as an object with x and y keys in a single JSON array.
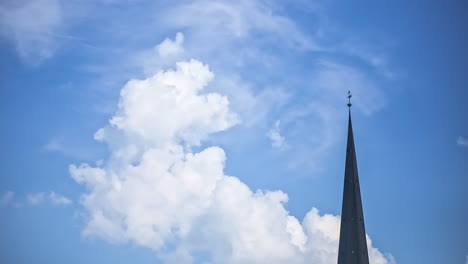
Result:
[{"x": 199, "y": 131}]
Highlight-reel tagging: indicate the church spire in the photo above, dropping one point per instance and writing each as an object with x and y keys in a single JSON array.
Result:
[{"x": 353, "y": 246}]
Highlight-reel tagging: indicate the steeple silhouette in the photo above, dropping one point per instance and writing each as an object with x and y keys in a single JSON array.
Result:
[{"x": 353, "y": 246}]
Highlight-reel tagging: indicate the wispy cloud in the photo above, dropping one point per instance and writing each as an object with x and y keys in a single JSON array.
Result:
[
  {"x": 277, "y": 141},
  {"x": 461, "y": 141},
  {"x": 70, "y": 147},
  {"x": 57, "y": 199},
  {"x": 54, "y": 144},
  {"x": 334, "y": 79},
  {"x": 35, "y": 198},
  {"x": 239, "y": 19},
  {"x": 50, "y": 197},
  {"x": 171, "y": 47},
  {"x": 7, "y": 198},
  {"x": 32, "y": 26}
]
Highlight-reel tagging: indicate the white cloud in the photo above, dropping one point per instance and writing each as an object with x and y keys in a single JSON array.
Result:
[
  {"x": 461, "y": 141},
  {"x": 161, "y": 56},
  {"x": 253, "y": 107},
  {"x": 51, "y": 197},
  {"x": 277, "y": 141},
  {"x": 70, "y": 146},
  {"x": 239, "y": 19},
  {"x": 171, "y": 47},
  {"x": 57, "y": 199},
  {"x": 7, "y": 198},
  {"x": 54, "y": 145},
  {"x": 35, "y": 198},
  {"x": 172, "y": 102},
  {"x": 368, "y": 53},
  {"x": 390, "y": 258},
  {"x": 31, "y": 25},
  {"x": 155, "y": 192}
]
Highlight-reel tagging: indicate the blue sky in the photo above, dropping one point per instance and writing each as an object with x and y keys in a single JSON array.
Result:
[{"x": 207, "y": 131}]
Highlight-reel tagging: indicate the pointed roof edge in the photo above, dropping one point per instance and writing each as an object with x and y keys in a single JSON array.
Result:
[{"x": 352, "y": 247}]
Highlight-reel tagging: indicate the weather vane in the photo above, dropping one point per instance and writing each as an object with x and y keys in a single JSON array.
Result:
[{"x": 349, "y": 98}]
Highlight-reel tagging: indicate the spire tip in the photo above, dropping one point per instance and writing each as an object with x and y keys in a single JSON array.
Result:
[{"x": 349, "y": 99}]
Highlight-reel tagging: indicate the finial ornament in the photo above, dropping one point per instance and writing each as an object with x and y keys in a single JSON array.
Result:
[{"x": 349, "y": 98}]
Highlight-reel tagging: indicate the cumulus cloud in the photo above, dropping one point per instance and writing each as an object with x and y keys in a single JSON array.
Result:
[
  {"x": 51, "y": 197},
  {"x": 163, "y": 55},
  {"x": 461, "y": 141},
  {"x": 171, "y": 47},
  {"x": 167, "y": 108},
  {"x": 31, "y": 25},
  {"x": 156, "y": 192},
  {"x": 277, "y": 141}
]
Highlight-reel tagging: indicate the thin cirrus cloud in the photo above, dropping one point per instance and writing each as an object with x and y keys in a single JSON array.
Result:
[
  {"x": 32, "y": 26},
  {"x": 277, "y": 140},
  {"x": 69, "y": 147},
  {"x": 50, "y": 197},
  {"x": 240, "y": 20},
  {"x": 7, "y": 198},
  {"x": 461, "y": 141}
]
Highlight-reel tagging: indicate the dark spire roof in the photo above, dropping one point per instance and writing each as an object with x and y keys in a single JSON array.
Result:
[{"x": 353, "y": 246}]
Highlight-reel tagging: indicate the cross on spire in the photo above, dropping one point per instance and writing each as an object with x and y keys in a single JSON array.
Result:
[{"x": 349, "y": 98}]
